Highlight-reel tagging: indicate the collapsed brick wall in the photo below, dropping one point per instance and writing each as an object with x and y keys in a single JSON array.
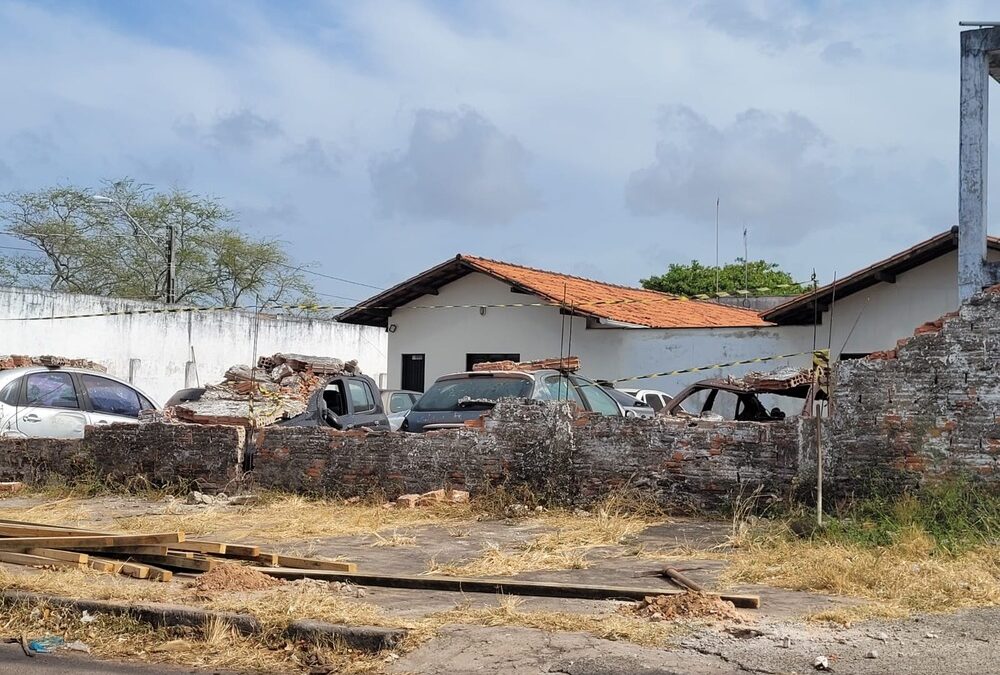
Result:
[
  {"x": 205, "y": 455},
  {"x": 38, "y": 461},
  {"x": 924, "y": 411},
  {"x": 545, "y": 449},
  {"x": 209, "y": 456}
]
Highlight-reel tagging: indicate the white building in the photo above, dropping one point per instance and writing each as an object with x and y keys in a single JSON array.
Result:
[
  {"x": 623, "y": 332},
  {"x": 615, "y": 330},
  {"x": 874, "y": 307}
]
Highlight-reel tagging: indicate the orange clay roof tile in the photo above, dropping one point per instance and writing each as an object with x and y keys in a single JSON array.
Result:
[{"x": 636, "y": 306}]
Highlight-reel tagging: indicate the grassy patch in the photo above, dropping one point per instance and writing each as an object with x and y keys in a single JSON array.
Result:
[
  {"x": 930, "y": 551},
  {"x": 957, "y": 516}
]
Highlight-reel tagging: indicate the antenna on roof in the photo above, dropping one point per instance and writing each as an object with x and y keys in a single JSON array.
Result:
[{"x": 717, "y": 245}]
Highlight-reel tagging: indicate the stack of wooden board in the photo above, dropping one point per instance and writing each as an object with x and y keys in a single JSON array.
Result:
[{"x": 142, "y": 556}]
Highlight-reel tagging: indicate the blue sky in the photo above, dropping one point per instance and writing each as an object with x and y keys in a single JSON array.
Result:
[{"x": 379, "y": 138}]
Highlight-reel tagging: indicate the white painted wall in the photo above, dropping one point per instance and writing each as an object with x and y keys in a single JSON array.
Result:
[
  {"x": 446, "y": 336},
  {"x": 161, "y": 341},
  {"x": 891, "y": 311}
]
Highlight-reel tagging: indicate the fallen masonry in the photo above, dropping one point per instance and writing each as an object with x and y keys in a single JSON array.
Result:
[{"x": 928, "y": 413}]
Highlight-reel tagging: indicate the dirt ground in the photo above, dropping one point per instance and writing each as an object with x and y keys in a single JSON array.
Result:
[{"x": 483, "y": 633}]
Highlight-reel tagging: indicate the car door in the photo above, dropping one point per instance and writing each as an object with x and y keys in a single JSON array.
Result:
[
  {"x": 50, "y": 406},
  {"x": 364, "y": 411},
  {"x": 110, "y": 402}
]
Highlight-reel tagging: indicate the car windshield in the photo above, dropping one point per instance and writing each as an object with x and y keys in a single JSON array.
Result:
[
  {"x": 472, "y": 392},
  {"x": 624, "y": 399}
]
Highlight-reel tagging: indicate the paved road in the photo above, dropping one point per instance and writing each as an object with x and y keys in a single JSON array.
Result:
[{"x": 14, "y": 662}]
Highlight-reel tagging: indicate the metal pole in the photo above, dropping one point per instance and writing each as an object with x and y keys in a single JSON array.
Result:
[
  {"x": 171, "y": 266},
  {"x": 717, "y": 245},
  {"x": 819, "y": 466}
]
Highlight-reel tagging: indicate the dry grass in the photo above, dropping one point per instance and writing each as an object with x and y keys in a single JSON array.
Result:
[
  {"x": 277, "y": 518},
  {"x": 276, "y": 607},
  {"x": 609, "y": 627},
  {"x": 69, "y": 582},
  {"x": 215, "y": 646},
  {"x": 910, "y": 575},
  {"x": 392, "y": 540},
  {"x": 613, "y": 523},
  {"x": 294, "y": 517}
]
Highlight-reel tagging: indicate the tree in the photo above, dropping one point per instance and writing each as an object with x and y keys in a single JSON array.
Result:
[
  {"x": 759, "y": 277},
  {"x": 89, "y": 246}
]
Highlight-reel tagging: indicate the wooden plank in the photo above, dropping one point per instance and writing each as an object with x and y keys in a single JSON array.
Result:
[
  {"x": 19, "y": 530},
  {"x": 135, "y": 550},
  {"x": 315, "y": 564},
  {"x": 199, "y": 546},
  {"x": 241, "y": 551},
  {"x": 159, "y": 574},
  {"x": 34, "y": 560},
  {"x": 89, "y": 542},
  {"x": 179, "y": 562},
  {"x": 134, "y": 570},
  {"x": 113, "y": 566},
  {"x": 494, "y": 586},
  {"x": 268, "y": 559},
  {"x": 68, "y": 556}
]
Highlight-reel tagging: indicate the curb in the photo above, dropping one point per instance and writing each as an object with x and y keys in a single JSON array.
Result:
[{"x": 361, "y": 638}]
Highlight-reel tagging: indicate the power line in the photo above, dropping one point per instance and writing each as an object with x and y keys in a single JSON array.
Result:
[{"x": 329, "y": 276}]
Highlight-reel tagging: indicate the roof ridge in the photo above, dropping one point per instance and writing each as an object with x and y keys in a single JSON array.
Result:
[{"x": 466, "y": 256}]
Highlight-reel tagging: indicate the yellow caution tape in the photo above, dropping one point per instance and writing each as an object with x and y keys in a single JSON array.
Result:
[{"x": 820, "y": 356}]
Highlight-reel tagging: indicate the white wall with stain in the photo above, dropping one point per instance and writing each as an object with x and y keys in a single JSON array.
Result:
[{"x": 161, "y": 343}]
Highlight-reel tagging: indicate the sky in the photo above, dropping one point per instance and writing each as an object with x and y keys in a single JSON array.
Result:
[{"x": 380, "y": 138}]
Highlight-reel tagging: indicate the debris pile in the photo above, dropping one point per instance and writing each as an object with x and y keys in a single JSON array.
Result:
[
  {"x": 22, "y": 361},
  {"x": 690, "y": 605},
  {"x": 568, "y": 364},
  {"x": 235, "y": 578},
  {"x": 278, "y": 388}
]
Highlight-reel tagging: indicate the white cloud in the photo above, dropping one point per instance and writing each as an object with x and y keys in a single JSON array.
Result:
[
  {"x": 458, "y": 167},
  {"x": 237, "y": 130},
  {"x": 769, "y": 169}
]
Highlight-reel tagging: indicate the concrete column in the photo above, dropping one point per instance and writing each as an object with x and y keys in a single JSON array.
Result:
[{"x": 972, "y": 160}]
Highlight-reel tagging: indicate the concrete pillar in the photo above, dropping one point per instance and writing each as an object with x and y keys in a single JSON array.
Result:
[
  {"x": 973, "y": 271},
  {"x": 972, "y": 164}
]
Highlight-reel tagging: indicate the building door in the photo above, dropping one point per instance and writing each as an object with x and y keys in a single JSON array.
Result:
[
  {"x": 473, "y": 359},
  {"x": 413, "y": 372}
]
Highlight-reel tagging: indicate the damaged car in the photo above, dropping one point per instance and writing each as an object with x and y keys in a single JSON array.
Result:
[
  {"x": 344, "y": 403},
  {"x": 756, "y": 397},
  {"x": 456, "y": 399}
]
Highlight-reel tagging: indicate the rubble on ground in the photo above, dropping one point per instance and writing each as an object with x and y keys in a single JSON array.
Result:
[
  {"x": 235, "y": 578},
  {"x": 690, "y": 605},
  {"x": 277, "y": 388},
  {"x": 22, "y": 361}
]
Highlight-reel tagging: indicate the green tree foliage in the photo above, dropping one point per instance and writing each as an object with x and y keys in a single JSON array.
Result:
[
  {"x": 89, "y": 246},
  {"x": 698, "y": 279}
]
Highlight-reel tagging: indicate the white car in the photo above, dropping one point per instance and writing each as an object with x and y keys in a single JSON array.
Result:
[
  {"x": 657, "y": 400},
  {"x": 52, "y": 402}
]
